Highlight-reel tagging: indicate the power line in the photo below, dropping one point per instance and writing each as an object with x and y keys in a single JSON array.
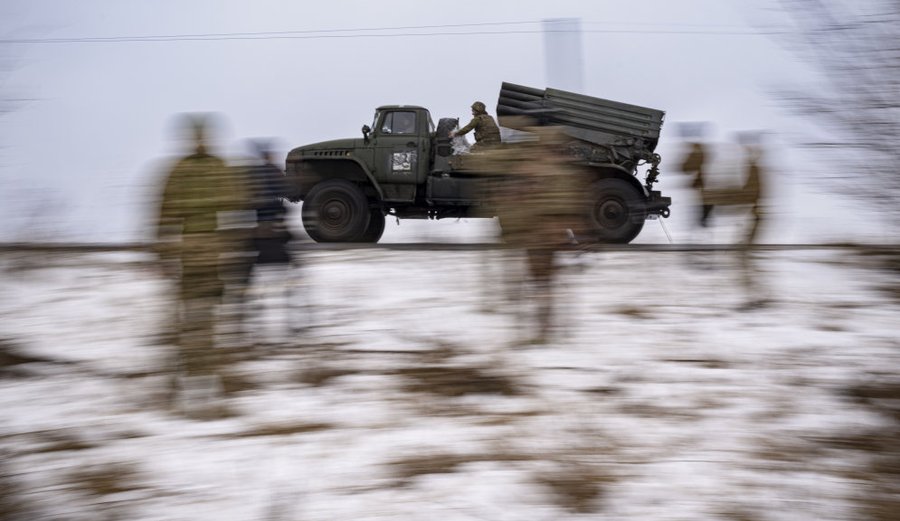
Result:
[
  {"x": 665, "y": 24},
  {"x": 351, "y": 33},
  {"x": 153, "y": 37}
]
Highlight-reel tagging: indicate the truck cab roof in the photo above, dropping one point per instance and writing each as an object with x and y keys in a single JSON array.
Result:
[{"x": 389, "y": 107}]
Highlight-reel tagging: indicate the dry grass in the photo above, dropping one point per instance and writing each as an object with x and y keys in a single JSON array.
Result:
[
  {"x": 578, "y": 488},
  {"x": 888, "y": 262},
  {"x": 454, "y": 381},
  {"x": 320, "y": 376},
  {"x": 288, "y": 429},
  {"x": 12, "y": 501},
  {"x": 499, "y": 420},
  {"x": 407, "y": 469},
  {"x": 12, "y": 355},
  {"x": 233, "y": 383},
  {"x": 879, "y": 499},
  {"x": 64, "y": 443},
  {"x": 739, "y": 514},
  {"x": 651, "y": 410},
  {"x": 633, "y": 312},
  {"x": 709, "y": 363},
  {"x": 831, "y": 328},
  {"x": 788, "y": 455},
  {"x": 605, "y": 391},
  {"x": 103, "y": 480},
  {"x": 575, "y": 487}
]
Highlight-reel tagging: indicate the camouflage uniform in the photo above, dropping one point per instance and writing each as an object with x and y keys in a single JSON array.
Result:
[
  {"x": 752, "y": 194},
  {"x": 197, "y": 189},
  {"x": 487, "y": 133},
  {"x": 749, "y": 194},
  {"x": 537, "y": 202}
]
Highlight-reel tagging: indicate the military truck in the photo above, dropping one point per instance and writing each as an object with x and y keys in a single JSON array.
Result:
[{"x": 405, "y": 166}]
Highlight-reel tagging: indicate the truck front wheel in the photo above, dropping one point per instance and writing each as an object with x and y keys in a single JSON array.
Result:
[
  {"x": 335, "y": 210},
  {"x": 618, "y": 211},
  {"x": 376, "y": 227}
]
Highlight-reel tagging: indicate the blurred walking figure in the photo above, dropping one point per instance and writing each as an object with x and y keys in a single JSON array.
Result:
[
  {"x": 200, "y": 205},
  {"x": 743, "y": 196},
  {"x": 271, "y": 237},
  {"x": 752, "y": 194},
  {"x": 694, "y": 164},
  {"x": 487, "y": 133},
  {"x": 537, "y": 204},
  {"x": 268, "y": 188}
]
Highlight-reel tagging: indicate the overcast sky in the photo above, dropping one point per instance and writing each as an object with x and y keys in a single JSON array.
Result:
[{"x": 81, "y": 155}]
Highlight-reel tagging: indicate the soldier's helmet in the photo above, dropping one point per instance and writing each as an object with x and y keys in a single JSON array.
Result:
[
  {"x": 261, "y": 148},
  {"x": 193, "y": 127},
  {"x": 479, "y": 107},
  {"x": 196, "y": 129}
]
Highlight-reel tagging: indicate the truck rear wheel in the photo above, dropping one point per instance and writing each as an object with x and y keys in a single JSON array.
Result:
[
  {"x": 335, "y": 210},
  {"x": 618, "y": 212},
  {"x": 376, "y": 227}
]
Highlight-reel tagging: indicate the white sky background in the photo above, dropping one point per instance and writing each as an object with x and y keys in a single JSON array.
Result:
[{"x": 81, "y": 160}]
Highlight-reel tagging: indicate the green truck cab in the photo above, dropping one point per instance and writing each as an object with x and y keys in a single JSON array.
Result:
[{"x": 405, "y": 166}]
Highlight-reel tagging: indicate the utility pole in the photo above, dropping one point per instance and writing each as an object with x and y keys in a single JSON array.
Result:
[{"x": 563, "y": 54}]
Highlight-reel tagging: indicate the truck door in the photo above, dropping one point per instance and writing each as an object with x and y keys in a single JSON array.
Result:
[{"x": 401, "y": 151}]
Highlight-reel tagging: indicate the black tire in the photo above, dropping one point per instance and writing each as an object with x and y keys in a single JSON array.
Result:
[
  {"x": 618, "y": 212},
  {"x": 376, "y": 227},
  {"x": 335, "y": 210}
]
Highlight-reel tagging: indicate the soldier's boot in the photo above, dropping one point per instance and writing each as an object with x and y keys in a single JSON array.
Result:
[{"x": 705, "y": 212}]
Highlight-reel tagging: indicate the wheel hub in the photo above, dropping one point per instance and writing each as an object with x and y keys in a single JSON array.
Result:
[
  {"x": 335, "y": 214},
  {"x": 611, "y": 213}
]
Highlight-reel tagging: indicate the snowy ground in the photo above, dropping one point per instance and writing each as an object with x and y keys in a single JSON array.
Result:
[{"x": 409, "y": 394}]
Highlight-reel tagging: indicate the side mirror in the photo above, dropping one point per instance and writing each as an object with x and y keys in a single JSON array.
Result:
[{"x": 365, "y": 131}]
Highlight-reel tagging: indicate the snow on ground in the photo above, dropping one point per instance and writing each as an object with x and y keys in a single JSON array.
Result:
[{"x": 407, "y": 391}]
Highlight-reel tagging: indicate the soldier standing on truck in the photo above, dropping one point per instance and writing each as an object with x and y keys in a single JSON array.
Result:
[{"x": 487, "y": 133}]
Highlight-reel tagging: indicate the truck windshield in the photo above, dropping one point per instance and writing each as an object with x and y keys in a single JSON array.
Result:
[{"x": 399, "y": 122}]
